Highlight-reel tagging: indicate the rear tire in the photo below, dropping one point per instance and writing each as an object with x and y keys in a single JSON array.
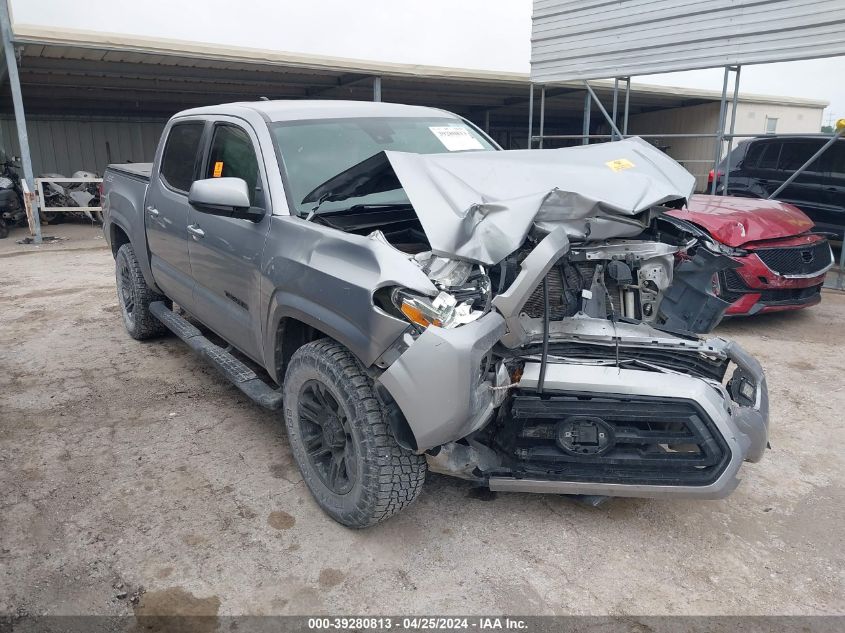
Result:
[
  {"x": 135, "y": 297},
  {"x": 341, "y": 440}
]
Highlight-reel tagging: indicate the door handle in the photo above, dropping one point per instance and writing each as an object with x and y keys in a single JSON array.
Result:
[
  {"x": 195, "y": 231},
  {"x": 153, "y": 211}
]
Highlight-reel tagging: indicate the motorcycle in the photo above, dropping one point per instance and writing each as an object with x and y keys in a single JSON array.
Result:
[{"x": 72, "y": 194}]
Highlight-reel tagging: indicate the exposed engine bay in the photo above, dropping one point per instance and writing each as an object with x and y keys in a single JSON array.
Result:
[{"x": 624, "y": 278}]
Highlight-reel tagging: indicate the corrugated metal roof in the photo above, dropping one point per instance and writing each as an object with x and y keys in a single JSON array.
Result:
[
  {"x": 104, "y": 47},
  {"x": 594, "y": 39}
]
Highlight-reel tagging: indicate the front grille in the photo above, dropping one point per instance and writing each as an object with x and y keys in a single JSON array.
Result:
[
  {"x": 613, "y": 439},
  {"x": 797, "y": 260}
]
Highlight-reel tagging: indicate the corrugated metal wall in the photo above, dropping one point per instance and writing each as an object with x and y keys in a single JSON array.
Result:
[
  {"x": 598, "y": 39},
  {"x": 65, "y": 145}
]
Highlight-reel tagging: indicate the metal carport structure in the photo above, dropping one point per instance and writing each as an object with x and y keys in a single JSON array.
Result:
[{"x": 83, "y": 75}]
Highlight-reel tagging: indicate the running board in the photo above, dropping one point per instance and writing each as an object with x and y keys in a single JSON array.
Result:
[{"x": 234, "y": 370}]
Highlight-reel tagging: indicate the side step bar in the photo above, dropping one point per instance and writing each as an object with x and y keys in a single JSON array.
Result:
[{"x": 234, "y": 370}]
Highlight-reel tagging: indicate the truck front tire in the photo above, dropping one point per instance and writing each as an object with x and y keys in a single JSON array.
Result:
[
  {"x": 342, "y": 441},
  {"x": 135, "y": 297}
]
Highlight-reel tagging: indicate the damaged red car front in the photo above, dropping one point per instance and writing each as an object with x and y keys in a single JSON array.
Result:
[{"x": 782, "y": 262}]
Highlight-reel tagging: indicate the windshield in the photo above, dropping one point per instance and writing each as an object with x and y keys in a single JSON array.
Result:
[{"x": 313, "y": 152}]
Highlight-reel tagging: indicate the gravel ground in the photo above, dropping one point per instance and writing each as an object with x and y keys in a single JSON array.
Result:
[{"x": 134, "y": 478}]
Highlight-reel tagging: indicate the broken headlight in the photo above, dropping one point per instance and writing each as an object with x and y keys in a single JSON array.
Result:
[
  {"x": 444, "y": 310},
  {"x": 464, "y": 294},
  {"x": 724, "y": 249}
]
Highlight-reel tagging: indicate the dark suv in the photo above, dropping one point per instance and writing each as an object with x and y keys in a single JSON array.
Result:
[{"x": 760, "y": 165}]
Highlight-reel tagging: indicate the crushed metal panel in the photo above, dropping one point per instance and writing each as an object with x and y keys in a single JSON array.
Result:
[
  {"x": 480, "y": 206},
  {"x": 596, "y": 39}
]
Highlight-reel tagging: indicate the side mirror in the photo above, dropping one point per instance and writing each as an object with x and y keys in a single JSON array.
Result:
[{"x": 223, "y": 196}]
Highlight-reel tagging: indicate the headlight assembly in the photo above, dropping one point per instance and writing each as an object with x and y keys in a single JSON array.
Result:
[{"x": 441, "y": 311}]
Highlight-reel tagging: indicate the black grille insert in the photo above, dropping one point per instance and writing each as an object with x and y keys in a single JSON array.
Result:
[
  {"x": 613, "y": 439},
  {"x": 797, "y": 260},
  {"x": 733, "y": 287}
]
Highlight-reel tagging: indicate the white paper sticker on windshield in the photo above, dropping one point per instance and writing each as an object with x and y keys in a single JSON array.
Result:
[{"x": 456, "y": 139}]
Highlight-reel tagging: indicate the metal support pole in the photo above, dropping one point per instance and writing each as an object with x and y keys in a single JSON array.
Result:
[
  {"x": 731, "y": 137},
  {"x": 20, "y": 115},
  {"x": 627, "y": 104},
  {"x": 542, "y": 113},
  {"x": 376, "y": 87},
  {"x": 800, "y": 170},
  {"x": 613, "y": 128},
  {"x": 530, "y": 113},
  {"x": 487, "y": 121},
  {"x": 615, "y": 98},
  {"x": 586, "y": 126},
  {"x": 720, "y": 131}
]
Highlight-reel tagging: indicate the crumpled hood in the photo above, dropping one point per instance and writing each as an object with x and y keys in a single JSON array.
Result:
[
  {"x": 480, "y": 206},
  {"x": 739, "y": 221}
]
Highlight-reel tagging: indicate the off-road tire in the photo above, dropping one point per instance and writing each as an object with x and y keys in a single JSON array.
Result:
[
  {"x": 139, "y": 321},
  {"x": 388, "y": 477},
  {"x": 4, "y": 230}
]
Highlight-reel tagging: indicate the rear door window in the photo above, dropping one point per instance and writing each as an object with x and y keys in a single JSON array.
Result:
[
  {"x": 796, "y": 153},
  {"x": 233, "y": 156},
  {"x": 762, "y": 156},
  {"x": 770, "y": 156},
  {"x": 180, "y": 155}
]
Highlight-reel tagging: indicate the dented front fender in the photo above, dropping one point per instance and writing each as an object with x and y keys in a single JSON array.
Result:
[{"x": 437, "y": 381}]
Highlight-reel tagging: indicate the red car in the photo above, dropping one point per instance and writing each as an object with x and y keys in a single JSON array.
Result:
[{"x": 783, "y": 262}]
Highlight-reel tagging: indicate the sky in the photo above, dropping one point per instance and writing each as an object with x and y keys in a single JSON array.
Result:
[{"x": 476, "y": 34}]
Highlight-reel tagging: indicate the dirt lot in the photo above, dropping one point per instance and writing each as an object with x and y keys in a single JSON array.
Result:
[{"x": 125, "y": 464}]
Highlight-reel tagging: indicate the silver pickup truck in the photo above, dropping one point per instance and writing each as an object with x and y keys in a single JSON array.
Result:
[{"x": 415, "y": 298}]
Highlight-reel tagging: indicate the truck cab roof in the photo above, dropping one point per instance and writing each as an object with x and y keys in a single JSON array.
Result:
[{"x": 297, "y": 110}]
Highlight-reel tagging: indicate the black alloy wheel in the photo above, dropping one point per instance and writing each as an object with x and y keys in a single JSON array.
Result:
[{"x": 327, "y": 437}]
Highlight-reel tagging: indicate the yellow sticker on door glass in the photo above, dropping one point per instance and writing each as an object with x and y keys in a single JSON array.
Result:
[
  {"x": 619, "y": 164},
  {"x": 218, "y": 169}
]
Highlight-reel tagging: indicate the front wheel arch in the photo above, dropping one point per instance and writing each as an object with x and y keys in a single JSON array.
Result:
[{"x": 292, "y": 334}]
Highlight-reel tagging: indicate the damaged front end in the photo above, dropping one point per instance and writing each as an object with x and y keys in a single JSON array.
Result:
[
  {"x": 557, "y": 352},
  {"x": 577, "y": 403}
]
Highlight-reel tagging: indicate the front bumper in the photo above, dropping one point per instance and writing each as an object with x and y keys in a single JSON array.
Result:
[
  {"x": 756, "y": 288},
  {"x": 743, "y": 427},
  {"x": 437, "y": 384}
]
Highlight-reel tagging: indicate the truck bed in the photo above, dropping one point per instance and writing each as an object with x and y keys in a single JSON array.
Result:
[{"x": 139, "y": 171}]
